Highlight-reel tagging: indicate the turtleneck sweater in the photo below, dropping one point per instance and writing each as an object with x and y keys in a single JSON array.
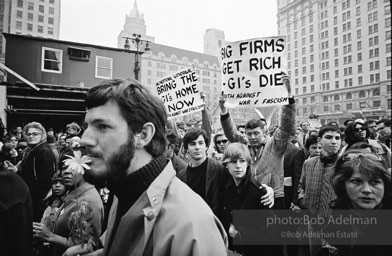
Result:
[{"x": 128, "y": 189}]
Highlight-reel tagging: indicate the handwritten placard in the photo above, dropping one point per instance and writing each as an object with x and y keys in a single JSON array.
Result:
[
  {"x": 180, "y": 93},
  {"x": 252, "y": 72}
]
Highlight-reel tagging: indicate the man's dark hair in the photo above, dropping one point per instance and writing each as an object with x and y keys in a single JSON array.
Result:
[
  {"x": 193, "y": 134},
  {"x": 369, "y": 121},
  {"x": 310, "y": 141},
  {"x": 254, "y": 123},
  {"x": 137, "y": 105},
  {"x": 347, "y": 121},
  {"x": 171, "y": 137},
  {"x": 240, "y": 126},
  {"x": 328, "y": 128},
  {"x": 333, "y": 123},
  {"x": 385, "y": 121}
]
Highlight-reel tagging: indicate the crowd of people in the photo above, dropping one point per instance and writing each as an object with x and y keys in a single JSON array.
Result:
[{"x": 131, "y": 182}]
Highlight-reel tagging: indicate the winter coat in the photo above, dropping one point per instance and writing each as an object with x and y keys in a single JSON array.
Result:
[
  {"x": 167, "y": 219},
  {"x": 37, "y": 168}
]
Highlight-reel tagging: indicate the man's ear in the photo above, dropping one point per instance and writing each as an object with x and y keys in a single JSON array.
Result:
[{"x": 145, "y": 136}]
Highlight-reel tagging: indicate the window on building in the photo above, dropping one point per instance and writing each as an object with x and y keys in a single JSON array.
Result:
[
  {"x": 19, "y": 14},
  {"x": 20, "y": 3},
  {"x": 376, "y": 104},
  {"x": 387, "y": 22},
  {"x": 103, "y": 67},
  {"x": 304, "y": 101},
  {"x": 358, "y": 22},
  {"x": 30, "y": 6},
  {"x": 359, "y": 45},
  {"x": 40, "y": 18},
  {"x": 52, "y": 60},
  {"x": 79, "y": 54},
  {"x": 29, "y": 27},
  {"x": 360, "y": 80},
  {"x": 30, "y": 16},
  {"x": 312, "y": 88},
  {"x": 50, "y": 31},
  {"x": 41, "y": 8},
  {"x": 325, "y": 99},
  {"x": 362, "y": 94},
  {"x": 349, "y": 106},
  {"x": 359, "y": 56},
  {"x": 349, "y": 96},
  {"x": 50, "y": 20},
  {"x": 51, "y": 10},
  {"x": 51, "y": 1},
  {"x": 376, "y": 92},
  {"x": 326, "y": 109},
  {"x": 388, "y": 47},
  {"x": 359, "y": 34},
  {"x": 18, "y": 25},
  {"x": 40, "y": 29},
  {"x": 336, "y": 97}
]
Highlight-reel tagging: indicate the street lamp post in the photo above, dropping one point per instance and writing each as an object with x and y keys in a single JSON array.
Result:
[{"x": 138, "y": 42}]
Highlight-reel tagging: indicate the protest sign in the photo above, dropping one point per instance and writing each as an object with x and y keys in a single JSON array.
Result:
[
  {"x": 252, "y": 72},
  {"x": 180, "y": 93}
]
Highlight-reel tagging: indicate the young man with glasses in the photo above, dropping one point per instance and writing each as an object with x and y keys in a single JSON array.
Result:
[{"x": 384, "y": 131}]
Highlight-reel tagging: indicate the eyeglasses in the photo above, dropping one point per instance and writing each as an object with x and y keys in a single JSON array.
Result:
[
  {"x": 352, "y": 156},
  {"x": 360, "y": 129},
  {"x": 221, "y": 141},
  {"x": 34, "y": 134}
]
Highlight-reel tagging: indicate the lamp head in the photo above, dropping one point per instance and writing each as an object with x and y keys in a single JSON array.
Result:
[
  {"x": 147, "y": 48},
  {"x": 127, "y": 46}
]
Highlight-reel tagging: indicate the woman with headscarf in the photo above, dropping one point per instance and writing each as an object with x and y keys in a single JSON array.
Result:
[
  {"x": 37, "y": 166},
  {"x": 79, "y": 219},
  {"x": 357, "y": 132}
]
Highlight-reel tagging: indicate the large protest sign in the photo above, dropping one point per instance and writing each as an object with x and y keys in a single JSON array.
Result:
[
  {"x": 252, "y": 72},
  {"x": 180, "y": 93}
]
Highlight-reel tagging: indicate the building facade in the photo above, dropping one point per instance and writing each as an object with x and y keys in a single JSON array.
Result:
[
  {"x": 40, "y": 18},
  {"x": 63, "y": 71},
  {"x": 164, "y": 60},
  {"x": 339, "y": 57}
]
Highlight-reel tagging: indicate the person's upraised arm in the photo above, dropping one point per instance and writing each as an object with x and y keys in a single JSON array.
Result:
[{"x": 228, "y": 126}]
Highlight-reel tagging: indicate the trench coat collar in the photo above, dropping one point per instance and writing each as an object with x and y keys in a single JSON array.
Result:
[{"x": 152, "y": 200}]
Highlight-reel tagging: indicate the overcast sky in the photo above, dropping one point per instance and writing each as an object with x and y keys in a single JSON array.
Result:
[{"x": 177, "y": 23}]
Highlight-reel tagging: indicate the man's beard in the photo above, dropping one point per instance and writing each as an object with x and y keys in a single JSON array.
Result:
[{"x": 116, "y": 166}]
